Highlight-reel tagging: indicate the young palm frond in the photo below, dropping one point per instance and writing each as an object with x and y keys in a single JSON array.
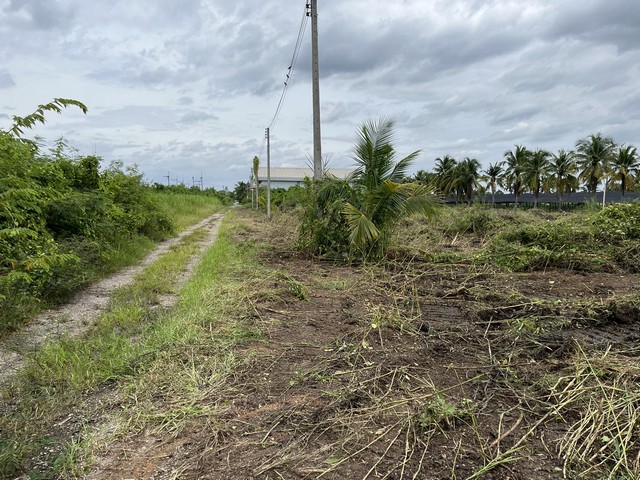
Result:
[
  {"x": 357, "y": 215},
  {"x": 381, "y": 197}
]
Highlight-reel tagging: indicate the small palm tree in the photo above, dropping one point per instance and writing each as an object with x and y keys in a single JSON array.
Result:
[
  {"x": 536, "y": 168},
  {"x": 514, "y": 172},
  {"x": 373, "y": 199},
  {"x": 624, "y": 166},
  {"x": 594, "y": 154},
  {"x": 492, "y": 176},
  {"x": 561, "y": 172}
]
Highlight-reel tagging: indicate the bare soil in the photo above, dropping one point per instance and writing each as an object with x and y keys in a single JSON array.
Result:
[
  {"x": 406, "y": 370},
  {"x": 74, "y": 317}
]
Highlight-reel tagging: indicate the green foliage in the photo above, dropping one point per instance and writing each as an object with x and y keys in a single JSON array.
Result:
[
  {"x": 356, "y": 216},
  {"x": 587, "y": 242},
  {"x": 619, "y": 221},
  {"x": 21, "y": 123},
  {"x": 225, "y": 197},
  {"x": 61, "y": 217}
]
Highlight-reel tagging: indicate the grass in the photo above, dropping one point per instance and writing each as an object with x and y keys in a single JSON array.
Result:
[
  {"x": 160, "y": 363},
  {"x": 527, "y": 240},
  {"x": 186, "y": 209},
  {"x": 99, "y": 259},
  {"x": 510, "y": 383}
]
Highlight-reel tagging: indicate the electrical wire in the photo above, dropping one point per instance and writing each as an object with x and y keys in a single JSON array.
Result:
[{"x": 292, "y": 65}]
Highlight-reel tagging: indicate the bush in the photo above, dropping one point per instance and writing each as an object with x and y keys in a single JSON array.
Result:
[
  {"x": 59, "y": 219},
  {"x": 618, "y": 221}
]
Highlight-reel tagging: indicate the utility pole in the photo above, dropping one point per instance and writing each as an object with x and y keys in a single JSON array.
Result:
[
  {"x": 268, "y": 176},
  {"x": 312, "y": 11},
  {"x": 168, "y": 179}
]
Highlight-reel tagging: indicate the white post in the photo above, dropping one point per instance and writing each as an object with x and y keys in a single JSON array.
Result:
[{"x": 268, "y": 177}]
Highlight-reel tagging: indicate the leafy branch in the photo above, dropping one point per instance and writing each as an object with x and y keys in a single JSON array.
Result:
[{"x": 20, "y": 123}]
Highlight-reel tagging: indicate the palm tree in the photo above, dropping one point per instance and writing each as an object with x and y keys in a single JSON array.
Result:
[
  {"x": 594, "y": 154},
  {"x": 536, "y": 168},
  {"x": 624, "y": 165},
  {"x": 493, "y": 178},
  {"x": 424, "y": 178},
  {"x": 561, "y": 173},
  {"x": 515, "y": 169},
  {"x": 372, "y": 199},
  {"x": 444, "y": 173},
  {"x": 465, "y": 177}
]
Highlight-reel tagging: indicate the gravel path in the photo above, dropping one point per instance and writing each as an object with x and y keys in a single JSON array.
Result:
[{"x": 73, "y": 318}]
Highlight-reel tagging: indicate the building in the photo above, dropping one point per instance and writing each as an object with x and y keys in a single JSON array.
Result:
[{"x": 289, "y": 177}]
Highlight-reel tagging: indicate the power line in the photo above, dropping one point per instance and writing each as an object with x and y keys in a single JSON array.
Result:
[
  {"x": 289, "y": 74},
  {"x": 292, "y": 64}
]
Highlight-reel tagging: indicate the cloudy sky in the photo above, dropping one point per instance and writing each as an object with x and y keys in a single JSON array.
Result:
[{"x": 188, "y": 86}]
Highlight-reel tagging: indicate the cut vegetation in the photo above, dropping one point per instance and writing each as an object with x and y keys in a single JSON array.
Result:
[{"x": 435, "y": 363}]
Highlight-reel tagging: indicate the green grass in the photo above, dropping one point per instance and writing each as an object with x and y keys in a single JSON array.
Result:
[
  {"x": 527, "y": 240},
  {"x": 157, "y": 363},
  {"x": 185, "y": 209}
]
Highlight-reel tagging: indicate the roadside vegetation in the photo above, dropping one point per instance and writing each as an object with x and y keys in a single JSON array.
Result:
[
  {"x": 115, "y": 370},
  {"x": 65, "y": 222}
]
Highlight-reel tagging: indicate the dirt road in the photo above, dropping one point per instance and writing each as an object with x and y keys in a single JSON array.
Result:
[{"x": 73, "y": 318}]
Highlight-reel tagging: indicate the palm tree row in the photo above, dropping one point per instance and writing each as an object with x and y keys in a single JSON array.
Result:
[{"x": 595, "y": 158}]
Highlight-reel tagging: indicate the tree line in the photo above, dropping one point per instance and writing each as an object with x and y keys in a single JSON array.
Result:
[{"x": 594, "y": 159}]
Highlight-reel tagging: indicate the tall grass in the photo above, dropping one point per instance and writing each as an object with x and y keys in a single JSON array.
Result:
[{"x": 186, "y": 209}]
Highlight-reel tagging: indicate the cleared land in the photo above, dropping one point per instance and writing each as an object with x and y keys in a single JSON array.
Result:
[{"x": 434, "y": 364}]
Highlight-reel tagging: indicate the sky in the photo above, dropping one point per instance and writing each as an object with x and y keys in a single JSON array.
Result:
[{"x": 185, "y": 88}]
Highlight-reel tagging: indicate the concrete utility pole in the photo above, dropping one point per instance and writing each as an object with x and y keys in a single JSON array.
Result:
[
  {"x": 168, "y": 179},
  {"x": 268, "y": 176},
  {"x": 312, "y": 7}
]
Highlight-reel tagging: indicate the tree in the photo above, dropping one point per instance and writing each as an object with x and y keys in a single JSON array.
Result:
[
  {"x": 515, "y": 170},
  {"x": 444, "y": 173},
  {"x": 493, "y": 178},
  {"x": 371, "y": 200},
  {"x": 561, "y": 173},
  {"x": 536, "y": 168},
  {"x": 465, "y": 176},
  {"x": 594, "y": 154},
  {"x": 240, "y": 192},
  {"x": 624, "y": 166},
  {"x": 425, "y": 178}
]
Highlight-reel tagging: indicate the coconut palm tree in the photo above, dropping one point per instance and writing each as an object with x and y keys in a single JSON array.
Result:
[
  {"x": 465, "y": 177},
  {"x": 624, "y": 166},
  {"x": 561, "y": 172},
  {"x": 514, "y": 171},
  {"x": 425, "y": 178},
  {"x": 536, "y": 168},
  {"x": 372, "y": 199},
  {"x": 444, "y": 173},
  {"x": 492, "y": 176},
  {"x": 594, "y": 154}
]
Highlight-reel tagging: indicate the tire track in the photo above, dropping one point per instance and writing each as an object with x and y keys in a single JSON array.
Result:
[{"x": 75, "y": 317}]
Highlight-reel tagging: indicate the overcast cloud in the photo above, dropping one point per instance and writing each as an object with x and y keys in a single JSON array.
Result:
[{"x": 188, "y": 86}]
